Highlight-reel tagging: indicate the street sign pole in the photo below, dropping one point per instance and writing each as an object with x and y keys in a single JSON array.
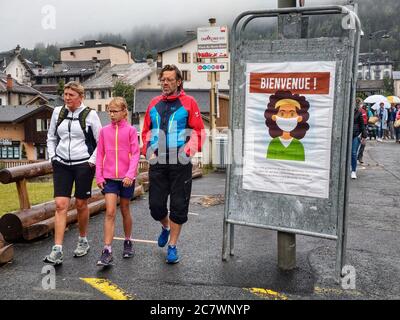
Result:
[
  {"x": 212, "y": 22},
  {"x": 212, "y": 43},
  {"x": 286, "y": 241}
]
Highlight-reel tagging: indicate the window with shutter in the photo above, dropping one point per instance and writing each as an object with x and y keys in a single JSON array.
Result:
[
  {"x": 185, "y": 57},
  {"x": 186, "y": 76}
]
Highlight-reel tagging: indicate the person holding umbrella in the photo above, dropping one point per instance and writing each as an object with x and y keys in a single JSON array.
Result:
[
  {"x": 397, "y": 128},
  {"x": 382, "y": 114}
]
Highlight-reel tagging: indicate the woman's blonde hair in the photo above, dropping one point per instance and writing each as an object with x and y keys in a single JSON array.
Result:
[
  {"x": 121, "y": 103},
  {"x": 75, "y": 86}
]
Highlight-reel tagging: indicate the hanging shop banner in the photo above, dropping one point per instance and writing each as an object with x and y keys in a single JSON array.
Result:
[{"x": 288, "y": 127}]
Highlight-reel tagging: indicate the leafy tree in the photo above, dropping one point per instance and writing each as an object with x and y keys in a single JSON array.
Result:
[
  {"x": 60, "y": 88},
  {"x": 362, "y": 95},
  {"x": 23, "y": 152},
  {"x": 388, "y": 86},
  {"x": 122, "y": 89}
]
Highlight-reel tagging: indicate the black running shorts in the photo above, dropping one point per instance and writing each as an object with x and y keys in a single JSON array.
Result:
[
  {"x": 64, "y": 177},
  {"x": 175, "y": 181}
]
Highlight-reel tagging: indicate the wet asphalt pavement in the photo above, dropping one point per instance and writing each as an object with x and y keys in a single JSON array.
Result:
[{"x": 373, "y": 250}]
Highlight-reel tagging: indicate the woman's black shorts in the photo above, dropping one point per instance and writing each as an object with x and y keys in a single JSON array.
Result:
[{"x": 64, "y": 177}]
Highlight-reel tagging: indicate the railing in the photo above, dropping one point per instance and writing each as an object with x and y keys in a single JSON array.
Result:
[{"x": 15, "y": 163}]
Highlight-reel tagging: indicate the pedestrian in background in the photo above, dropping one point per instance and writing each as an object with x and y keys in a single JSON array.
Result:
[
  {"x": 363, "y": 110},
  {"x": 391, "y": 119},
  {"x": 382, "y": 114},
  {"x": 397, "y": 125},
  {"x": 359, "y": 136}
]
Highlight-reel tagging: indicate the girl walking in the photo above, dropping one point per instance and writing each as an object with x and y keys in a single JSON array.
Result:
[{"x": 116, "y": 166}]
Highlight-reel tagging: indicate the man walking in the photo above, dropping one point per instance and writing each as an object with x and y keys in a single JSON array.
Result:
[{"x": 173, "y": 131}]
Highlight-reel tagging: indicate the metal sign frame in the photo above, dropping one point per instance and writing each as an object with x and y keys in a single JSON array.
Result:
[{"x": 344, "y": 50}]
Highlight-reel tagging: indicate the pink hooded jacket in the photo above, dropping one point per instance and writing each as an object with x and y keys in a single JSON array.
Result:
[{"x": 117, "y": 152}]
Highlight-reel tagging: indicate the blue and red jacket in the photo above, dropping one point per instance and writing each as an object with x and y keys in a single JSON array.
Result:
[{"x": 174, "y": 121}]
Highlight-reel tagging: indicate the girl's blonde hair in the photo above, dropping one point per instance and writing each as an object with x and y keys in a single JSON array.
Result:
[{"x": 121, "y": 103}]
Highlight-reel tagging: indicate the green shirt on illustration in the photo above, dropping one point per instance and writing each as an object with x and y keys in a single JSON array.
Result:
[{"x": 294, "y": 151}]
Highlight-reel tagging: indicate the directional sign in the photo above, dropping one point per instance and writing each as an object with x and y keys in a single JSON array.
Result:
[
  {"x": 212, "y": 42},
  {"x": 208, "y": 67}
]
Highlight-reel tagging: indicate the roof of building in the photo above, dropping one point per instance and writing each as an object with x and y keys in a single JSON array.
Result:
[
  {"x": 94, "y": 44},
  {"x": 46, "y": 88},
  {"x": 180, "y": 44},
  {"x": 74, "y": 68},
  {"x": 370, "y": 84},
  {"x": 17, "y": 87},
  {"x": 375, "y": 57},
  {"x": 202, "y": 96},
  {"x": 17, "y": 113},
  {"x": 38, "y": 71},
  {"x": 105, "y": 119},
  {"x": 5, "y": 58},
  {"x": 54, "y": 100},
  {"x": 396, "y": 75},
  {"x": 48, "y": 99},
  {"x": 8, "y": 56},
  {"x": 128, "y": 73}
]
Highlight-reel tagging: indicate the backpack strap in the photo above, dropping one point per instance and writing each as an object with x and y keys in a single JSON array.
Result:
[
  {"x": 61, "y": 116},
  {"x": 89, "y": 136},
  {"x": 82, "y": 118}
]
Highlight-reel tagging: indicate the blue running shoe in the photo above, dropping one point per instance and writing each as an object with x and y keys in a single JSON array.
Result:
[
  {"x": 172, "y": 255},
  {"x": 163, "y": 238}
]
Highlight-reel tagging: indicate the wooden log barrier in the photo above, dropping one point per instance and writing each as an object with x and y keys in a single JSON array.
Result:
[
  {"x": 6, "y": 251},
  {"x": 6, "y": 254},
  {"x": 25, "y": 172},
  {"x": 197, "y": 173},
  {"x": 13, "y": 223},
  {"x": 142, "y": 177},
  {"x": 2, "y": 242},
  {"x": 46, "y": 226}
]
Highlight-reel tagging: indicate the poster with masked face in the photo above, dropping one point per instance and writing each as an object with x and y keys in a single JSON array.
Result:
[{"x": 288, "y": 127}]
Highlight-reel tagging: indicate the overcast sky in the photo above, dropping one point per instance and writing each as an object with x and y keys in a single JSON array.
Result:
[{"x": 27, "y": 22}]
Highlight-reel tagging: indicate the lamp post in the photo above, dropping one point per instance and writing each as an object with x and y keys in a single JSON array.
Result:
[
  {"x": 372, "y": 35},
  {"x": 383, "y": 34}
]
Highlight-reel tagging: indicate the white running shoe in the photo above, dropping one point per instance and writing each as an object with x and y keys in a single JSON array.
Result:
[{"x": 353, "y": 175}]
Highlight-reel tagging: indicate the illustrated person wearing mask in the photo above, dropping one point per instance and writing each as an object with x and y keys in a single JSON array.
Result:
[{"x": 286, "y": 118}]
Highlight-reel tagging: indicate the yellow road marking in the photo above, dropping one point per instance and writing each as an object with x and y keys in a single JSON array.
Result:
[
  {"x": 266, "y": 293},
  {"x": 136, "y": 240},
  {"x": 108, "y": 288}
]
